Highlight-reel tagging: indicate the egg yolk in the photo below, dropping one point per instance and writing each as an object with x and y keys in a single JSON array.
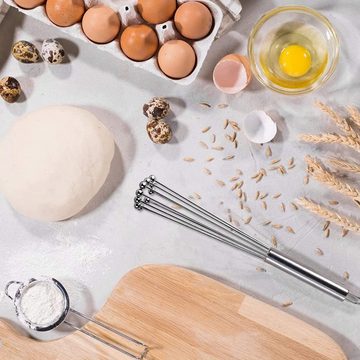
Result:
[{"x": 295, "y": 60}]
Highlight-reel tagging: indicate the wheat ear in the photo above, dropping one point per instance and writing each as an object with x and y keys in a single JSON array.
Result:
[
  {"x": 341, "y": 122},
  {"x": 354, "y": 114},
  {"x": 318, "y": 171},
  {"x": 332, "y": 139},
  {"x": 349, "y": 166},
  {"x": 329, "y": 215}
]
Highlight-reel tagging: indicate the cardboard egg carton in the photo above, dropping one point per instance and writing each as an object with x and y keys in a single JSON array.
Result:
[
  {"x": 128, "y": 14},
  {"x": 3, "y": 10}
]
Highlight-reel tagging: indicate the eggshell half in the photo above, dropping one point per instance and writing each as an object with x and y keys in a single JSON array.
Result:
[
  {"x": 139, "y": 42},
  {"x": 176, "y": 59},
  {"x": 101, "y": 24},
  {"x": 232, "y": 73},
  {"x": 259, "y": 127},
  {"x": 193, "y": 20}
]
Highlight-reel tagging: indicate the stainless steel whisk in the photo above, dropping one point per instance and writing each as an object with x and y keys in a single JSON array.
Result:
[{"x": 197, "y": 218}]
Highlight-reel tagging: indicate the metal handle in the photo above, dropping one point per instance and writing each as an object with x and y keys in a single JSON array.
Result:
[
  {"x": 7, "y": 288},
  {"x": 307, "y": 275}
]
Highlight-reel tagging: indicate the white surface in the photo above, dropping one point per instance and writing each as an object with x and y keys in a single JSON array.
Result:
[{"x": 123, "y": 238}]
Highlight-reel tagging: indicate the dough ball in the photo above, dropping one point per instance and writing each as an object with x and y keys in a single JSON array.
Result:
[{"x": 53, "y": 162}]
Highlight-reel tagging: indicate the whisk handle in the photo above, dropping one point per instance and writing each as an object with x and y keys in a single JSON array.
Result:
[{"x": 292, "y": 267}]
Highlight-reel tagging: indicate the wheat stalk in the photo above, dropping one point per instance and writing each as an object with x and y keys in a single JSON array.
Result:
[
  {"x": 332, "y": 139},
  {"x": 345, "y": 165},
  {"x": 354, "y": 114},
  {"x": 329, "y": 215},
  {"x": 341, "y": 122},
  {"x": 318, "y": 171}
]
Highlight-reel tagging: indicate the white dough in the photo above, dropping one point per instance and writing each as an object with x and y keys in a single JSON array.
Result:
[{"x": 53, "y": 162}]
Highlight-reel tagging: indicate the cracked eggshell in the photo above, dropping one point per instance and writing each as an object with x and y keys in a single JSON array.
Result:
[
  {"x": 259, "y": 127},
  {"x": 232, "y": 74}
]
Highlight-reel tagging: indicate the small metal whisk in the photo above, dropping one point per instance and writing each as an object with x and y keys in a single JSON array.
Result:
[{"x": 159, "y": 199}]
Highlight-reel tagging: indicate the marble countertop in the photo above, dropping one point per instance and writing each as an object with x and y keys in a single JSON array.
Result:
[{"x": 91, "y": 252}]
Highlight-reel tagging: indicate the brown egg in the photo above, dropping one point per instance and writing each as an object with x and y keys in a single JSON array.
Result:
[
  {"x": 29, "y": 4},
  {"x": 65, "y": 12},
  {"x": 139, "y": 42},
  {"x": 193, "y": 20},
  {"x": 101, "y": 24},
  {"x": 156, "y": 11},
  {"x": 176, "y": 59}
]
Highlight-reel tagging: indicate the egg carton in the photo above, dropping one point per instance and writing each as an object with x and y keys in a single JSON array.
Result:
[
  {"x": 3, "y": 10},
  {"x": 129, "y": 16}
]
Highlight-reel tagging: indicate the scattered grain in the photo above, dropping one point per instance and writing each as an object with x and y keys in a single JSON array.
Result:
[
  {"x": 247, "y": 209},
  {"x": 291, "y": 162},
  {"x": 282, "y": 170},
  {"x": 241, "y": 204},
  {"x": 275, "y": 161},
  {"x": 267, "y": 222},
  {"x": 333, "y": 202},
  {"x": 197, "y": 196},
  {"x": 239, "y": 172},
  {"x": 276, "y": 196},
  {"x": 176, "y": 206},
  {"x": 235, "y": 125},
  {"x": 220, "y": 183},
  {"x": 268, "y": 152},
  {"x": 319, "y": 252},
  {"x": 274, "y": 241},
  {"x": 235, "y": 144},
  {"x": 203, "y": 145},
  {"x": 291, "y": 166},
  {"x": 205, "y": 105},
  {"x": 248, "y": 220},
  {"x": 287, "y": 304},
  {"x": 213, "y": 138},
  {"x": 290, "y": 230},
  {"x": 306, "y": 179},
  {"x": 226, "y": 123},
  {"x": 244, "y": 196},
  {"x": 263, "y": 196},
  {"x": 229, "y": 157},
  {"x": 344, "y": 232},
  {"x": 236, "y": 223},
  {"x": 283, "y": 207},
  {"x": 209, "y": 159},
  {"x": 222, "y": 106},
  {"x": 257, "y": 195},
  {"x": 218, "y": 148},
  {"x": 277, "y": 226},
  {"x": 264, "y": 205},
  {"x": 207, "y": 171},
  {"x": 234, "y": 187},
  {"x": 189, "y": 159},
  {"x": 260, "y": 269},
  {"x": 326, "y": 225},
  {"x": 295, "y": 207},
  {"x": 346, "y": 275},
  {"x": 327, "y": 232}
]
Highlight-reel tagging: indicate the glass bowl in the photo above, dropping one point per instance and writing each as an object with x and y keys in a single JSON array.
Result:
[{"x": 280, "y": 27}]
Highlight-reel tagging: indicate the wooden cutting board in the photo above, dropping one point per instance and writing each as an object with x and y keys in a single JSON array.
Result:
[{"x": 183, "y": 315}]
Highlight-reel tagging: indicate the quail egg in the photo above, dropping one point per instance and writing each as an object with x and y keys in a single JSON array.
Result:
[
  {"x": 10, "y": 89},
  {"x": 157, "y": 108},
  {"x": 159, "y": 131},
  {"x": 25, "y": 52},
  {"x": 52, "y": 51}
]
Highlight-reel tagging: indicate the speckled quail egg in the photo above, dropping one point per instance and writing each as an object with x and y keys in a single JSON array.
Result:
[
  {"x": 159, "y": 131},
  {"x": 10, "y": 89},
  {"x": 157, "y": 108},
  {"x": 25, "y": 52},
  {"x": 52, "y": 51}
]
